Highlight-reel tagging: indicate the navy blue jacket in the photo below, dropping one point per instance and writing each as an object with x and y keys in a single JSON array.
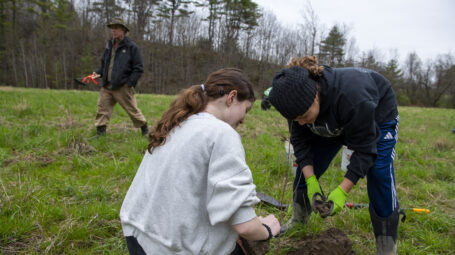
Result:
[
  {"x": 353, "y": 101},
  {"x": 128, "y": 66}
]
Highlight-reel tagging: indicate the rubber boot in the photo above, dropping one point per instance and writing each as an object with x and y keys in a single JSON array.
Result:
[
  {"x": 301, "y": 210},
  {"x": 385, "y": 232},
  {"x": 144, "y": 130},
  {"x": 100, "y": 131}
]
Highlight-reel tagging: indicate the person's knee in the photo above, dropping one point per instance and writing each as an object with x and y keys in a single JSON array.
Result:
[{"x": 382, "y": 169}]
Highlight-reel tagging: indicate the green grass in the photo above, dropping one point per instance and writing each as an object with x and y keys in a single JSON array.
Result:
[{"x": 61, "y": 192}]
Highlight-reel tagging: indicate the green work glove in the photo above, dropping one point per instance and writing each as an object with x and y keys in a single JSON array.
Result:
[
  {"x": 265, "y": 104},
  {"x": 267, "y": 92},
  {"x": 338, "y": 197},
  {"x": 312, "y": 187}
]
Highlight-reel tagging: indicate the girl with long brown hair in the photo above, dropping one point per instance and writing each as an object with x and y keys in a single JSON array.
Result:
[{"x": 193, "y": 192}]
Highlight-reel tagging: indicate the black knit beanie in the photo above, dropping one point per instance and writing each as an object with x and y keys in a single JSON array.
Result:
[{"x": 293, "y": 91}]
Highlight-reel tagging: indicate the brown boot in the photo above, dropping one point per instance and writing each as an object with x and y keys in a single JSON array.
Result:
[{"x": 100, "y": 131}]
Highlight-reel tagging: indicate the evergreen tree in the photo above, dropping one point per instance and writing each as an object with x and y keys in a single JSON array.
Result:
[
  {"x": 62, "y": 13},
  {"x": 172, "y": 9},
  {"x": 215, "y": 8},
  {"x": 107, "y": 10},
  {"x": 331, "y": 49},
  {"x": 239, "y": 15},
  {"x": 393, "y": 73}
]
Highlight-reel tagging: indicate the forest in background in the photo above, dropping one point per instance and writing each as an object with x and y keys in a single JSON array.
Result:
[{"x": 48, "y": 43}]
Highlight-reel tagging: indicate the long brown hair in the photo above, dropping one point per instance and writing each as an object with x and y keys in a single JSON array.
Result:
[
  {"x": 195, "y": 98},
  {"x": 310, "y": 63}
]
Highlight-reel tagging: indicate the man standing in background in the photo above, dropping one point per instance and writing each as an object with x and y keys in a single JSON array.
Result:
[{"x": 121, "y": 68}]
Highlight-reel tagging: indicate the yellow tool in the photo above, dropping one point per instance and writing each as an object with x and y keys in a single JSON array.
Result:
[
  {"x": 417, "y": 210},
  {"x": 357, "y": 206}
]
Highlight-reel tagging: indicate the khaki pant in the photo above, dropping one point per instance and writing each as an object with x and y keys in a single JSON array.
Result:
[{"x": 125, "y": 97}]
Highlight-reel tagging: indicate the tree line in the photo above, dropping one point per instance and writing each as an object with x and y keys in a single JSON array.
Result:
[{"x": 48, "y": 43}]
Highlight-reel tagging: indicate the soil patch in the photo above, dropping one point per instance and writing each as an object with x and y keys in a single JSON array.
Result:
[
  {"x": 333, "y": 241},
  {"x": 256, "y": 247}
]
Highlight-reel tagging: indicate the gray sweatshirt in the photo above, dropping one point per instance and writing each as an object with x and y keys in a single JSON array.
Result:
[{"x": 189, "y": 192}]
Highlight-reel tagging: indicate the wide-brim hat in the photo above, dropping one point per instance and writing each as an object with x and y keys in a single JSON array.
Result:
[
  {"x": 293, "y": 92},
  {"x": 118, "y": 21}
]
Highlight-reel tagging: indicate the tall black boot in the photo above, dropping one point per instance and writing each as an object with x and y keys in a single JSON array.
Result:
[
  {"x": 301, "y": 209},
  {"x": 100, "y": 131},
  {"x": 385, "y": 231}
]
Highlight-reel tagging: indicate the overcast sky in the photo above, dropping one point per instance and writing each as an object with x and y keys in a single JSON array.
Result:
[{"x": 424, "y": 26}]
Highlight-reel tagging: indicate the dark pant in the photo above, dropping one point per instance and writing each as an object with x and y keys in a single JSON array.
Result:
[
  {"x": 134, "y": 248},
  {"x": 380, "y": 178},
  {"x": 238, "y": 250}
]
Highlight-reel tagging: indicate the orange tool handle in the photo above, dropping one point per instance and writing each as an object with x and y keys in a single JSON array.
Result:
[
  {"x": 351, "y": 205},
  {"x": 88, "y": 79}
]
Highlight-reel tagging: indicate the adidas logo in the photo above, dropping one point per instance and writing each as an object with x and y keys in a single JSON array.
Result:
[{"x": 388, "y": 136}]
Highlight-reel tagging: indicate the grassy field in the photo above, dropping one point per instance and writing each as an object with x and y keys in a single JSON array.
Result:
[{"x": 61, "y": 192}]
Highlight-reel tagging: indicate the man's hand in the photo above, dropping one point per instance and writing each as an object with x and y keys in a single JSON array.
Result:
[
  {"x": 338, "y": 197},
  {"x": 312, "y": 187},
  {"x": 95, "y": 75}
]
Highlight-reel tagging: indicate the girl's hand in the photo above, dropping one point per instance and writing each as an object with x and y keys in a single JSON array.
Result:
[{"x": 272, "y": 222}]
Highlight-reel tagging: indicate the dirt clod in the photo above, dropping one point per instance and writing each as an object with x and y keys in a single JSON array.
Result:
[
  {"x": 332, "y": 241},
  {"x": 322, "y": 207}
]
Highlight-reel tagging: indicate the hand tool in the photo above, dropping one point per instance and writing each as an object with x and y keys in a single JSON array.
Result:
[
  {"x": 271, "y": 201},
  {"x": 321, "y": 205},
  {"x": 86, "y": 80},
  {"x": 358, "y": 206}
]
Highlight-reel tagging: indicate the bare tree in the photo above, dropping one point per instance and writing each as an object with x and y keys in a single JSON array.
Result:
[
  {"x": 372, "y": 59},
  {"x": 143, "y": 12},
  {"x": 311, "y": 28},
  {"x": 413, "y": 71},
  {"x": 444, "y": 72}
]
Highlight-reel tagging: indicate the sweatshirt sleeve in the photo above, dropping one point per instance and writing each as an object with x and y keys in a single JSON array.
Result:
[
  {"x": 300, "y": 140},
  {"x": 230, "y": 190},
  {"x": 361, "y": 136}
]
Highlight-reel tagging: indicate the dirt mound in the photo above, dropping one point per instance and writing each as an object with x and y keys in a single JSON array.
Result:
[
  {"x": 332, "y": 241},
  {"x": 256, "y": 247}
]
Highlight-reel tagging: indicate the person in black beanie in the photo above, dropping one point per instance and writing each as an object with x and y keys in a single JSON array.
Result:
[{"x": 327, "y": 108}]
